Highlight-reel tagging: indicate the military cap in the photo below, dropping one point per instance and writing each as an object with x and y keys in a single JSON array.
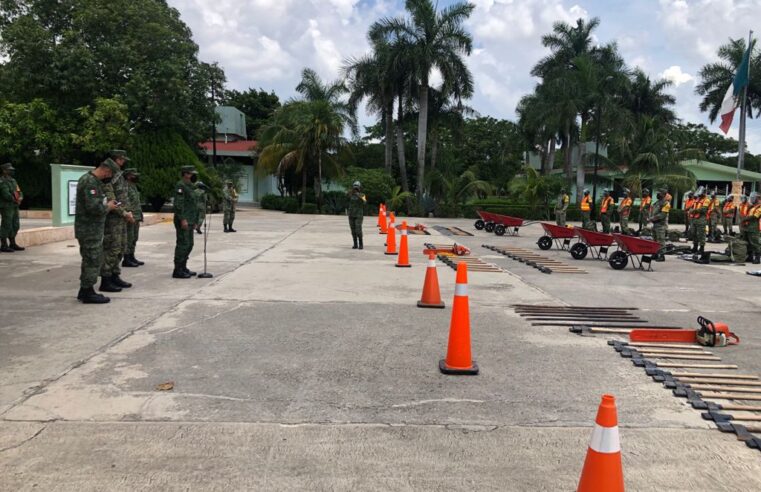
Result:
[
  {"x": 131, "y": 170},
  {"x": 116, "y": 154},
  {"x": 114, "y": 167},
  {"x": 188, "y": 169},
  {"x": 7, "y": 167}
]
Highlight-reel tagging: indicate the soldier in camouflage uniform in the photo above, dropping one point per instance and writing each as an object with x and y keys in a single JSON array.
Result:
[
  {"x": 751, "y": 224},
  {"x": 10, "y": 199},
  {"x": 185, "y": 216},
  {"x": 89, "y": 222},
  {"x": 714, "y": 217},
  {"x": 229, "y": 201},
  {"x": 115, "y": 231},
  {"x": 134, "y": 205},
  {"x": 561, "y": 207},
  {"x": 698, "y": 220},
  {"x": 356, "y": 213},
  {"x": 659, "y": 213}
]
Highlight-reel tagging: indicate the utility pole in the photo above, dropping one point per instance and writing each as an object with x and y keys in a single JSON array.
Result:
[
  {"x": 213, "y": 121},
  {"x": 597, "y": 158},
  {"x": 741, "y": 149}
]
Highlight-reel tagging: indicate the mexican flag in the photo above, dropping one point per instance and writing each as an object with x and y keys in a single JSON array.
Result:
[{"x": 732, "y": 98}]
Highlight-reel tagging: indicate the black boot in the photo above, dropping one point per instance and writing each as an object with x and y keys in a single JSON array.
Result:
[
  {"x": 107, "y": 286},
  {"x": 230, "y": 227},
  {"x": 89, "y": 296},
  {"x": 14, "y": 246},
  {"x": 179, "y": 272},
  {"x": 227, "y": 229},
  {"x": 185, "y": 269},
  {"x": 199, "y": 231},
  {"x": 361, "y": 245},
  {"x": 117, "y": 281},
  {"x": 355, "y": 242},
  {"x": 139, "y": 263},
  {"x": 4, "y": 246},
  {"x": 694, "y": 247},
  {"x": 129, "y": 261}
]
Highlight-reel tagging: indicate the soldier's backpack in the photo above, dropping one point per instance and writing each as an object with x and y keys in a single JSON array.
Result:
[{"x": 737, "y": 249}]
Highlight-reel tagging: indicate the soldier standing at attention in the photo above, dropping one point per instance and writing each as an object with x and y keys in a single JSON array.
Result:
[
  {"x": 10, "y": 199},
  {"x": 586, "y": 211},
  {"x": 751, "y": 223},
  {"x": 659, "y": 214},
  {"x": 134, "y": 205},
  {"x": 689, "y": 201},
  {"x": 356, "y": 213},
  {"x": 230, "y": 199},
  {"x": 728, "y": 214},
  {"x": 714, "y": 216},
  {"x": 698, "y": 219},
  {"x": 185, "y": 216},
  {"x": 606, "y": 208},
  {"x": 742, "y": 213},
  {"x": 644, "y": 208},
  {"x": 624, "y": 210},
  {"x": 561, "y": 207},
  {"x": 115, "y": 231},
  {"x": 89, "y": 222}
]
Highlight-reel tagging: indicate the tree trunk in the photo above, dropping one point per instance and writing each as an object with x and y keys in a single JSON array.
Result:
[
  {"x": 434, "y": 147},
  {"x": 318, "y": 186},
  {"x": 580, "y": 175},
  {"x": 568, "y": 152},
  {"x": 389, "y": 147},
  {"x": 303, "y": 186},
  {"x": 551, "y": 157},
  {"x": 422, "y": 134},
  {"x": 400, "y": 149}
]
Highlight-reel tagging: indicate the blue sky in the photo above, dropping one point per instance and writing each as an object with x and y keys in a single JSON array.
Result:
[{"x": 266, "y": 43}]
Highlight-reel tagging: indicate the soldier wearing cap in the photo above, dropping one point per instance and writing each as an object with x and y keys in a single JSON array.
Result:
[
  {"x": 698, "y": 219},
  {"x": 624, "y": 210},
  {"x": 356, "y": 213},
  {"x": 606, "y": 209},
  {"x": 561, "y": 206},
  {"x": 659, "y": 213},
  {"x": 10, "y": 199},
  {"x": 92, "y": 207},
  {"x": 115, "y": 230},
  {"x": 134, "y": 205},
  {"x": 229, "y": 201},
  {"x": 185, "y": 216}
]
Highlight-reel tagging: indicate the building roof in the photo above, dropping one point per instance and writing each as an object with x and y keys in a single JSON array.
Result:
[
  {"x": 710, "y": 171},
  {"x": 239, "y": 148}
]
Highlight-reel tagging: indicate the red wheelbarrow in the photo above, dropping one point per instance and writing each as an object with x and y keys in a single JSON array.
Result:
[
  {"x": 499, "y": 224},
  {"x": 560, "y": 235},
  {"x": 641, "y": 251},
  {"x": 597, "y": 243}
]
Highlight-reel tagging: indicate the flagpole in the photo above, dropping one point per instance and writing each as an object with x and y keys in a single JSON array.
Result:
[{"x": 741, "y": 146}]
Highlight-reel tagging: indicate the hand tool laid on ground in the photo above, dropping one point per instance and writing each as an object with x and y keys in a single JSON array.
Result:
[
  {"x": 588, "y": 329},
  {"x": 709, "y": 334},
  {"x": 474, "y": 264},
  {"x": 541, "y": 263},
  {"x": 446, "y": 249}
]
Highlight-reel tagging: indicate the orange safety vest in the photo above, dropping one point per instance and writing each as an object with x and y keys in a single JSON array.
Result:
[
  {"x": 744, "y": 208},
  {"x": 585, "y": 204},
  {"x": 705, "y": 202},
  {"x": 689, "y": 203},
  {"x": 729, "y": 209},
  {"x": 606, "y": 202},
  {"x": 645, "y": 205},
  {"x": 626, "y": 205}
]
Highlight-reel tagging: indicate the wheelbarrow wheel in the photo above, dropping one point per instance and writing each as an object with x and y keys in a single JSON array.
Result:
[
  {"x": 618, "y": 260},
  {"x": 489, "y": 227},
  {"x": 479, "y": 225},
  {"x": 545, "y": 242},
  {"x": 499, "y": 230},
  {"x": 579, "y": 251}
]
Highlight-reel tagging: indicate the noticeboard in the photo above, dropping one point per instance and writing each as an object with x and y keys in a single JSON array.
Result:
[{"x": 72, "y": 198}]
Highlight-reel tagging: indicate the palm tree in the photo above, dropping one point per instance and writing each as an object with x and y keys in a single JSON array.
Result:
[
  {"x": 716, "y": 77},
  {"x": 645, "y": 97},
  {"x": 431, "y": 39},
  {"x": 455, "y": 191}
]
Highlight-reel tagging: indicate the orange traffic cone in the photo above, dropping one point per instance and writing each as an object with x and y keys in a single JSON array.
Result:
[
  {"x": 404, "y": 256},
  {"x": 459, "y": 361},
  {"x": 383, "y": 223},
  {"x": 391, "y": 240},
  {"x": 602, "y": 468},
  {"x": 431, "y": 297},
  {"x": 381, "y": 215}
]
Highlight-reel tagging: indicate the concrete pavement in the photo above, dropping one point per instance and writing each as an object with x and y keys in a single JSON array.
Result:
[{"x": 304, "y": 364}]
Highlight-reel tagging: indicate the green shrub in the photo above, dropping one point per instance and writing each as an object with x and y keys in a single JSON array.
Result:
[
  {"x": 377, "y": 185},
  {"x": 291, "y": 205},
  {"x": 309, "y": 208},
  {"x": 334, "y": 202},
  {"x": 272, "y": 202}
]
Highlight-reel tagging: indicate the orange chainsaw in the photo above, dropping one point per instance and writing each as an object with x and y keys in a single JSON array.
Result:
[
  {"x": 709, "y": 334},
  {"x": 455, "y": 249}
]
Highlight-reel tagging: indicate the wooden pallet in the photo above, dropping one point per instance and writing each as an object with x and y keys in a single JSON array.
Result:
[
  {"x": 531, "y": 258},
  {"x": 474, "y": 264}
]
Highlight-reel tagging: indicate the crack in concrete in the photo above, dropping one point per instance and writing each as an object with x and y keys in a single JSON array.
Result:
[{"x": 28, "y": 439}]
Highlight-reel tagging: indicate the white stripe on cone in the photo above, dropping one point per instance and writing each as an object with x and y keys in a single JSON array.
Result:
[
  {"x": 431, "y": 263},
  {"x": 404, "y": 232},
  {"x": 461, "y": 290},
  {"x": 605, "y": 440}
]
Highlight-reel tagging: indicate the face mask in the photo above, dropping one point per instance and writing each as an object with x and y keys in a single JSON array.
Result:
[{"x": 193, "y": 178}]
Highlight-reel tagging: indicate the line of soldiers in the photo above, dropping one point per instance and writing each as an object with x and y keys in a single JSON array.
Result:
[{"x": 10, "y": 201}]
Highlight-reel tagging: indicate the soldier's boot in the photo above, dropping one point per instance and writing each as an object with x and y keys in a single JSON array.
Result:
[
  {"x": 14, "y": 246},
  {"x": 179, "y": 272},
  {"x": 129, "y": 261},
  {"x": 139, "y": 263},
  {"x": 89, "y": 296},
  {"x": 354, "y": 237},
  {"x": 117, "y": 281},
  {"x": 230, "y": 227},
  {"x": 694, "y": 247},
  {"x": 227, "y": 229},
  {"x": 361, "y": 244},
  {"x": 107, "y": 286},
  {"x": 4, "y": 246},
  {"x": 185, "y": 269}
]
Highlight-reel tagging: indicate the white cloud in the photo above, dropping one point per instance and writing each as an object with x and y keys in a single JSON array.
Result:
[{"x": 674, "y": 74}]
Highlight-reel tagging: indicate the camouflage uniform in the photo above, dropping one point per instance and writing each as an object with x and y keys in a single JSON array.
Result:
[
  {"x": 356, "y": 214},
  {"x": 606, "y": 209},
  {"x": 115, "y": 231},
  {"x": 714, "y": 217},
  {"x": 752, "y": 232},
  {"x": 698, "y": 223},
  {"x": 229, "y": 200},
  {"x": 624, "y": 210},
  {"x": 134, "y": 205},
  {"x": 200, "y": 196},
  {"x": 659, "y": 214},
  {"x": 560, "y": 209},
  {"x": 89, "y": 222},
  {"x": 10, "y": 198},
  {"x": 185, "y": 208}
]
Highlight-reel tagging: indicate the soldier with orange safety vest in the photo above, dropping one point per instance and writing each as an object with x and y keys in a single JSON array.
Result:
[
  {"x": 751, "y": 223},
  {"x": 699, "y": 218},
  {"x": 624, "y": 210},
  {"x": 606, "y": 209},
  {"x": 644, "y": 208},
  {"x": 714, "y": 217},
  {"x": 586, "y": 211},
  {"x": 659, "y": 214},
  {"x": 742, "y": 213},
  {"x": 689, "y": 201},
  {"x": 728, "y": 215}
]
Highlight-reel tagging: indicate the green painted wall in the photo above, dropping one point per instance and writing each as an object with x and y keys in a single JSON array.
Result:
[{"x": 64, "y": 180}]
